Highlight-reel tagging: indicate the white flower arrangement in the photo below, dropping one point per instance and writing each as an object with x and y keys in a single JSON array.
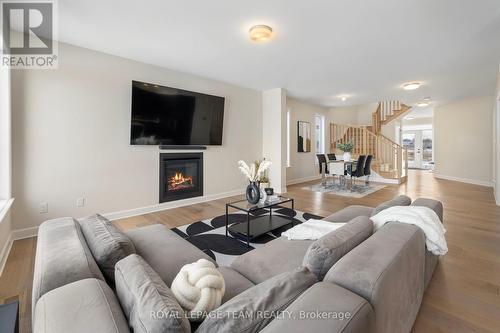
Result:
[{"x": 255, "y": 171}]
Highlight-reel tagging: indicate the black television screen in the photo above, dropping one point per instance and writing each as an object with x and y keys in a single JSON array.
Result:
[{"x": 170, "y": 116}]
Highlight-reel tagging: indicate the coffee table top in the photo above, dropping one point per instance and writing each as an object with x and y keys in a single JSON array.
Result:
[{"x": 244, "y": 205}]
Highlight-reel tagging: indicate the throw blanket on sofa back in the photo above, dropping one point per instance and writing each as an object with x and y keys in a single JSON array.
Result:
[{"x": 423, "y": 217}]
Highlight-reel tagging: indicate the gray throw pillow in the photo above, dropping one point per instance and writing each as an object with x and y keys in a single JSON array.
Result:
[
  {"x": 323, "y": 253},
  {"x": 149, "y": 305},
  {"x": 400, "y": 200},
  {"x": 107, "y": 244},
  {"x": 254, "y": 308}
]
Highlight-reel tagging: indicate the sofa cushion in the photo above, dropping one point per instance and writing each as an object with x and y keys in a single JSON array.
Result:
[
  {"x": 107, "y": 244},
  {"x": 62, "y": 257},
  {"x": 348, "y": 213},
  {"x": 150, "y": 306},
  {"x": 270, "y": 296},
  {"x": 325, "y": 307},
  {"x": 326, "y": 251},
  {"x": 235, "y": 283},
  {"x": 388, "y": 271},
  {"x": 275, "y": 257},
  {"x": 400, "y": 200},
  {"x": 435, "y": 205},
  {"x": 164, "y": 250},
  {"x": 83, "y": 306}
]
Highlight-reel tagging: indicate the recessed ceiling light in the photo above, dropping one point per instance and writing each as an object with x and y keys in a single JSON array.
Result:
[
  {"x": 343, "y": 98},
  {"x": 411, "y": 85},
  {"x": 260, "y": 33},
  {"x": 422, "y": 104},
  {"x": 410, "y": 118}
]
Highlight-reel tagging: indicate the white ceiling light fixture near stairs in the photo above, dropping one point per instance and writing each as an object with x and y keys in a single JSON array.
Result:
[{"x": 323, "y": 49}]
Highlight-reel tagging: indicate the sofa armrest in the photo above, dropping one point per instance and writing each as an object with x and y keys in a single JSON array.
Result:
[
  {"x": 87, "y": 305},
  {"x": 431, "y": 260},
  {"x": 325, "y": 307},
  {"x": 435, "y": 205},
  {"x": 388, "y": 271}
]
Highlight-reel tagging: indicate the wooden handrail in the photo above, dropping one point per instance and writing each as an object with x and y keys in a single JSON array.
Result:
[{"x": 390, "y": 158}]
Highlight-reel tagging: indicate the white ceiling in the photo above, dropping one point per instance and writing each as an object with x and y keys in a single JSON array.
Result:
[
  {"x": 322, "y": 49},
  {"x": 417, "y": 112}
]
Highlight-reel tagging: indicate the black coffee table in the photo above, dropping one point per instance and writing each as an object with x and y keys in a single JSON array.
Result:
[{"x": 257, "y": 226}]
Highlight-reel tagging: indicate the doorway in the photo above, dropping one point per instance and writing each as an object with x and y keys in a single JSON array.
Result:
[{"x": 420, "y": 148}]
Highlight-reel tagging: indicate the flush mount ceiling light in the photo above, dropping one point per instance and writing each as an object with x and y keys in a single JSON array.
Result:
[
  {"x": 411, "y": 85},
  {"x": 424, "y": 103},
  {"x": 260, "y": 33}
]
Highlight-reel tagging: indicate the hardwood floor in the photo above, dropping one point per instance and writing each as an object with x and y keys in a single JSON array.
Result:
[{"x": 463, "y": 296}]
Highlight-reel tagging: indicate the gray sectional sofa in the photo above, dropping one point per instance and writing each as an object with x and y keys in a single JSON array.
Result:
[{"x": 364, "y": 282}]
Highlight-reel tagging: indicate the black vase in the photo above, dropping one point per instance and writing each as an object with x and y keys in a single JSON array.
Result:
[{"x": 253, "y": 193}]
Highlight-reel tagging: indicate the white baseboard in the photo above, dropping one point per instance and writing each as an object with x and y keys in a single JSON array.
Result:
[
  {"x": 13, "y": 236},
  {"x": 465, "y": 180},
  {"x": 4, "y": 254},
  {"x": 303, "y": 180},
  {"x": 23, "y": 233},
  {"x": 169, "y": 205}
]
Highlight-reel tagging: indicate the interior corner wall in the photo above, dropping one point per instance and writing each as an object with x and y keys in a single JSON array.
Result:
[
  {"x": 71, "y": 137},
  {"x": 303, "y": 166},
  {"x": 274, "y": 136},
  {"x": 464, "y": 140}
]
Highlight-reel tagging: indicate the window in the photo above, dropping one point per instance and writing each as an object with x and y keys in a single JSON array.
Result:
[
  {"x": 319, "y": 124},
  {"x": 288, "y": 122}
]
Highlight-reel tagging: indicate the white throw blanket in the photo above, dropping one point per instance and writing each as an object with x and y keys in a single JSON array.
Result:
[
  {"x": 199, "y": 288},
  {"x": 423, "y": 217},
  {"x": 311, "y": 229}
]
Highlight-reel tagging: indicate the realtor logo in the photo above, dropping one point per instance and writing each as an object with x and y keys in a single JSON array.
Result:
[{"x": 28, "y": 34}]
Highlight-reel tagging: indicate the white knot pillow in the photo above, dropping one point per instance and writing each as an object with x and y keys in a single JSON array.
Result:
[{"x": 199, "y": 288}]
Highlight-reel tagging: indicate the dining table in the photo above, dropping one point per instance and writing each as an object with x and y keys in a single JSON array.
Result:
[{"x": 337, "y": 168}]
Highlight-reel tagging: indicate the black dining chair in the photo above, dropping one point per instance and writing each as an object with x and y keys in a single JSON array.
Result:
[
  {"x": 321, "y": 161},
  {"x": 359, "y": 171},
  {"x": 331, "y": 157},
  {"x": 368, "y": 169}
]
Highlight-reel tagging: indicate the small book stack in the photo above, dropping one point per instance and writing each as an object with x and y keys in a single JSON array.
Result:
[{"x": 272, "y": 198}]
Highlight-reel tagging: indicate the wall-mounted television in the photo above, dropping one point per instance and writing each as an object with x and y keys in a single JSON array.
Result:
[{"x": 170, "y": 116}]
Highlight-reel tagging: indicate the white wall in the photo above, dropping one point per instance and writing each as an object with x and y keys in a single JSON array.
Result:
[
  {"x": 71, "y": 136},
  {"x": 5, "y": 163},
  {"x": 463, "y": 140},
  {"x": 5, "y": 134},
  {"x": 303, "y": 165},
  {"x": 274, "y": 136},
  {"x": 356, "y": 115},
  {"x": 344, "y": 115}
]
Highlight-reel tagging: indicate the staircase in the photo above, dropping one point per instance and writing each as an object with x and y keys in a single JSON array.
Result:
[
  {"x": 390, "y": 160},
  {"x": 386, "y": 112}
]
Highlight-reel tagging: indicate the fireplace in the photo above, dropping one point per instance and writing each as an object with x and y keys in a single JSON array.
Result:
[{"x": 181, "y": 176}]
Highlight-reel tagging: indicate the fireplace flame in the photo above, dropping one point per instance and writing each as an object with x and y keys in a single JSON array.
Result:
[{"x": 179, "y": 181}]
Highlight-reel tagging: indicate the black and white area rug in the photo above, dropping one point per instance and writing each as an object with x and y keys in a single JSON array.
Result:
[{"x": 210, "y": 235}]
